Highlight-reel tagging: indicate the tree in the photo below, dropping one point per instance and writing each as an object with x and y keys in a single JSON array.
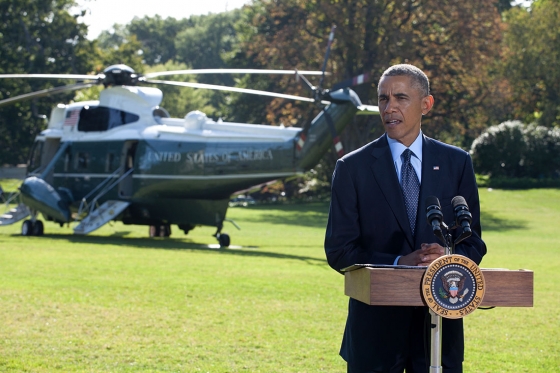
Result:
[
  {"x": 532, "y": 57},
  {"x": 205, "y": 45},
  {"x": 157, "y": 37},
  {"x": 128, "y": 52},
  {"x": 455, "y": 43},
  {"x": 36, "y": 37}
]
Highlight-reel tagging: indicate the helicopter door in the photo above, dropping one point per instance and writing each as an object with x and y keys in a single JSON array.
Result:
[
  {"x": 50, "y": 148},
  {"x": 126, "y": 184},
  {"x": 34, "y": 163}
]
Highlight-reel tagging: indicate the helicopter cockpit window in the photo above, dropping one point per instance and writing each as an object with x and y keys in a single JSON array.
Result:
[{"x": 101, "y": 118}]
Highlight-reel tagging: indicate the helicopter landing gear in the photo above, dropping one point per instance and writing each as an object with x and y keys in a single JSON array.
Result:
[
  {"x": 223, "y": 239},
  {"x": 32, "y": 228},
  {"x": 38, "y": 228},
  {"x": 27, "y": 228},
  {"x": 163, "y": 230}
]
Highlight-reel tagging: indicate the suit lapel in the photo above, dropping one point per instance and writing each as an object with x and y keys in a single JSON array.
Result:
[
  {"x": 431, "y": 176},
  {"x": 383, "y": 169}
]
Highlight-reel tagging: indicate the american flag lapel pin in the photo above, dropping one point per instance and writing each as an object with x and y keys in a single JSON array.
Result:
[{"x": 436, "y": 168}]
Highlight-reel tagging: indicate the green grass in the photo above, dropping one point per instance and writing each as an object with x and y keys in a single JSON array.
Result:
[
  {"x": 9, "y": 185},
  {"x": 117, "y": 301},
  {"x": 521, "y": 230}
]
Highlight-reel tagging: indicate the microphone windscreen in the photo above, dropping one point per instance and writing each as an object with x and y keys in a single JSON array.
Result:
[
  {"x": 458, "y": 201},
  {"x": 432, "y": 200}
]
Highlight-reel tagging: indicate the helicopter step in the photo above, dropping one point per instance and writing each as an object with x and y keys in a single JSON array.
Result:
[
  {"x": 14, "y": 215},
  {"x": 107, "y": 211}
]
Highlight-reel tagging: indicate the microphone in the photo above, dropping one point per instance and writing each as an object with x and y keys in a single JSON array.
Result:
[
  {"x": 435, "y": 216},
  {"x": 463, "y": 217}
]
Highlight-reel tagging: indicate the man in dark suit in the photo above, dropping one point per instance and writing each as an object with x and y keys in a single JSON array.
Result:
[{"x": 375, "y": 218}]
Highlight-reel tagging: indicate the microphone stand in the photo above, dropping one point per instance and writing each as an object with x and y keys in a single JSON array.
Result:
[
  {"x": 435, "y": 355},
  {"x": 435, "y": 319}
]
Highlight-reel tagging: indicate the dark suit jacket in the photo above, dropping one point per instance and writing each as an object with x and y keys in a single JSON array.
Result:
[{"x": 368, "y": 224}]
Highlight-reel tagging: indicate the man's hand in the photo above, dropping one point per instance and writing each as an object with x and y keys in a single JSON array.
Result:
[{"x": 427, "y": 254}]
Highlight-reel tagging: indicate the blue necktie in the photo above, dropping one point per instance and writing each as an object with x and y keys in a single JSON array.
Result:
[{"x": 410, "y": 187}]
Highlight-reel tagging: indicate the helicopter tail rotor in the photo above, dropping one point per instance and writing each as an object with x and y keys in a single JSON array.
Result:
[{"x": 321, "y": 95}]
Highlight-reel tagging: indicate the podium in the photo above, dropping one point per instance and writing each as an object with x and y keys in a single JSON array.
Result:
[
  {"x": 404, "y": 286},
  {"x": 401, "y": 286}
]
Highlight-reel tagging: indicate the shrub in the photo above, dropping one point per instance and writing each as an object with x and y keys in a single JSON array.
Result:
[{"x": 515, "y": 150}]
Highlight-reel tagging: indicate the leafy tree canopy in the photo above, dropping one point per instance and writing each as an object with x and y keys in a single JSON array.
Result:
[
  {"x": 456, "y": 43},
  {"x": 532, "y": 57},
  {"x": 36, "y": 37}
]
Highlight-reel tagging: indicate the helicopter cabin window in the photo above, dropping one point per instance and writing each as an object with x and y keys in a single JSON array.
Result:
[
  {"x": 35, "y": 157},
  {"x": 102, "y": 118},
  {"x": 110, "y": 162},
  {"x": 67, "y": 160},
  {"x": 82, "y": 161}
]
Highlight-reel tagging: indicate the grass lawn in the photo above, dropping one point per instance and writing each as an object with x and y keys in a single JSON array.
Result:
[{"x": 118, "y": 301}]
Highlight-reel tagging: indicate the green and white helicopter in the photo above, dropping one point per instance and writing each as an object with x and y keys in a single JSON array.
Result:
[{"x": 123, "y": 158}]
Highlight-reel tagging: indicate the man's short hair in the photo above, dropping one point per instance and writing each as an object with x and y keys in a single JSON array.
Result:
[{"x": 419, "y": 79}]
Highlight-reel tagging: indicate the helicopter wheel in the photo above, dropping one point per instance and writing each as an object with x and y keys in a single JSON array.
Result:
[
  {"x": 163, "y": 230},
  {"x": 38, "y": 228},
  {"x": 27, "y": 228},
  {"x": 224, "y": 240},
  {"x": 155, "y": 230}
]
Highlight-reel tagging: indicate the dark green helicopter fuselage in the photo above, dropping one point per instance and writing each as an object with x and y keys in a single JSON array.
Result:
[
  {"x": 171, "y": 171},
  {"x": 175, "y": 182}
]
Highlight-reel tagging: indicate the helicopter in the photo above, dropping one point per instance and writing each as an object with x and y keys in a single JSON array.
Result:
[{"x": 123, "y": 158}]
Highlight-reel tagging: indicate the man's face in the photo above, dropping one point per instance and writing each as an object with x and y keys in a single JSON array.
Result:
[{"x": 401, "y": 106}]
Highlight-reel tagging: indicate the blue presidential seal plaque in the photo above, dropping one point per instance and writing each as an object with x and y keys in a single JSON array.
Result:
[{"x": 453, "y": 286}]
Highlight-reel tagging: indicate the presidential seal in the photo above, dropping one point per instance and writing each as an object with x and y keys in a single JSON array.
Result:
[{"x": 453, "y": 286}]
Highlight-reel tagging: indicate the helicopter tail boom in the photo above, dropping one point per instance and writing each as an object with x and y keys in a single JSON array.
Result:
[{"x": 315, "y": 139}]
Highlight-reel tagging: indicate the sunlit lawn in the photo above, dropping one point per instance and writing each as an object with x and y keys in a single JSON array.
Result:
[{"x": 118, "y": 301}]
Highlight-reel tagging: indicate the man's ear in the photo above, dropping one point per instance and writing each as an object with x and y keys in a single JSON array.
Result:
[{"x": 427, "y": 103}]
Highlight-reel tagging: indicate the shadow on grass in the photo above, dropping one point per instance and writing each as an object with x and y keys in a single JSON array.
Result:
[
  {"x": 490, "y": 222},
  {"x": 306, "y": 214},
  {"x": 118, "y": 239},
  {"x": 316, "y": 215}
]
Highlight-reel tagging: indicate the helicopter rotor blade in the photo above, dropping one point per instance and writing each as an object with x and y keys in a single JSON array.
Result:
[
  {"x": 52, "y": 76},
  {"x": 46, "y": 92},
  {"x": 232, "y": 71},
  {"x": 327, "y": 54},
  {"x": 234, "y": 89},
  {"x": 307, "y": 82}
]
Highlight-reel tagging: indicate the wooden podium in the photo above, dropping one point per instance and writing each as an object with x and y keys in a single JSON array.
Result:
[
  {"x": 402, "y": 286},
  {"x": 397, "y": 286}
]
